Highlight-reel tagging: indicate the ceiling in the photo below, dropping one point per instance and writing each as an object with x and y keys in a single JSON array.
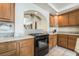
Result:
[
  {"x": 58, "y": 8},
  {"x": 46, "y": 7}
]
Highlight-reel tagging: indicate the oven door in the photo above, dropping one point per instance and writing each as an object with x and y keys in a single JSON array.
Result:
[
  {"x": 42, "y": 44},
  {"x": 42, "y": 47}
]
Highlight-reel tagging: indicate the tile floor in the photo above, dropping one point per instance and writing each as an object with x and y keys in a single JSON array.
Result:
[{"x": 59, "y": 51}]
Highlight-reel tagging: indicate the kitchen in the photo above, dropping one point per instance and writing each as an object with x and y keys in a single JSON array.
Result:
[{"x": 39, "y": 29}]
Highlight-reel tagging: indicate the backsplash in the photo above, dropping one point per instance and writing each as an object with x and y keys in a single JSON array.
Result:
[
  {"x": 11, "y": 25},
  {"x": 65, "y": 29},
  {"x": 35, "y": 31},
  {"x": 68, "y": 29},
  {"x": 6, "y": 29}
]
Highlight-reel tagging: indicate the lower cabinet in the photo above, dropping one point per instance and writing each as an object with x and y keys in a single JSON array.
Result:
[
  {"x": 67, "y": 41},
  {"x": 8, "y": 49},
  {"x": 9, "y": 53},
  {"x": 52, "y": 40},
  {"x": 23, "y": 47},
  {"x": 72, "y": 42},
  {"x": 62, "y": 40},
  {"x": 26, "y": 51},
  {"x": 27, "y": 47}
]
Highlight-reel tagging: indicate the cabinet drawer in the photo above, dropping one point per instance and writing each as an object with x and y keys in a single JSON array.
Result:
[
  {"x": 27, "y": 42},
  {"x": 8, "y": 46},
  {"x": 10, "y": 53}
]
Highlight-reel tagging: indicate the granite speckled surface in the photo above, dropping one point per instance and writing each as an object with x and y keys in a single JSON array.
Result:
[
  {"x": 7, "y": 39},
  {"x": 64, "y": 33}
]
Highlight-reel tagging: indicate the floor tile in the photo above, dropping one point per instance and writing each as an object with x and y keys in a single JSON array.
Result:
[{"x": 59, "y": 51}]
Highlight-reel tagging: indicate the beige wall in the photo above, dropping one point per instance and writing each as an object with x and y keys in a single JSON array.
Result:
[{"x": 19, "y": 17}]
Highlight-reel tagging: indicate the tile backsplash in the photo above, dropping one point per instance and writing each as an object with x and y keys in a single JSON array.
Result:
[
  {"x": 68, "y": 29},
  {"x": 11, "y": 25},
  {"x": 34, "y": 31},
  {"x": 6, "y": 29},
  {"x": 65, "y": 29}
]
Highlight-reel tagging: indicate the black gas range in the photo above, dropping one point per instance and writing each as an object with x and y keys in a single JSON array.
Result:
[{"x": 41, "y": 44}]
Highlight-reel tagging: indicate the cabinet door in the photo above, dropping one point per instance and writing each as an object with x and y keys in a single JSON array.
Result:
[
  {"x": 60, "y": 20},
  {"x": 27, "y": 47},
  {"x": 72, "y": 18},
  {"x": 1, "y": 13},
  {"x": 27, "y": 42},
  {"x": 62, "y": 40},
  {"x": 63, "y": 20},
  {"x": 50, "y": 43},
  {"x": 77, "y": 17},
  {"x": 26, "y": 51},
  {"x": 9, "y": 53},
  {"x": 52, "y": 40},
  {"x": 12, "y": 12},
  {"x": 52, "y": 21},
  {"x": 72, "y": 42},
  {"x": 8, "y": 46},
  {"x": 6, "y": 10}
]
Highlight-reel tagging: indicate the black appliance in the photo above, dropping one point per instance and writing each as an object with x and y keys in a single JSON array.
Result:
[{"x": 41, "y": 46}]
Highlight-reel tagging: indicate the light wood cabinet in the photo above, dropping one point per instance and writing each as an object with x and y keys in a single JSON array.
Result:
[
  {"x": 27, "y": 47},
  {"x": 52, "y": 21},
  {"x": 72, "y": 18},
  {"x": 67, "y": 41},
  {"x": 52, "y": 40},
  {"x": 72, "y": 42},
  {"x": 69, "y": 19},
  {"x": 77, "y": 17},
  {"x": 9, "y": 53},
  {"x": 1, "y": 9},
  {"x": 26, "y": 42},
  {"x": 63, "y": 20},
  {"x": 7, "y": 48},
  {"x": 7, "y": 11},
  {"x": 62, "y": 40},
  {"x": 26, "y": 51},
  {"x": 60, "y": 20},
  {"x": 23, "y": 47}
]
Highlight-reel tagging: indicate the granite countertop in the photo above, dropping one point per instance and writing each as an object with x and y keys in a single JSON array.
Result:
[
  {"x": 7, "y": 39},
  {"x": 64, "y": 33}
]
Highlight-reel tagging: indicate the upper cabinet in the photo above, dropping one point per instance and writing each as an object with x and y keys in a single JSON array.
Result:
[
  {"x": 63, "y": 20},
  {"x": 7, "y": 11},
  {"x": 69, "y": 19},
  {"x": 60, "y": 20},
  {"x": 72, "y": 18},
  {"x": 77, "y": 17},
  {"x": 52, "y": 21}
]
